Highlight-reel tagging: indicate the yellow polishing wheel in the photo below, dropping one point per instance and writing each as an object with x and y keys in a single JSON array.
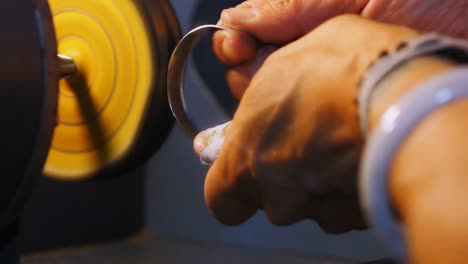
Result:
[{"x": 103, "y": 105}]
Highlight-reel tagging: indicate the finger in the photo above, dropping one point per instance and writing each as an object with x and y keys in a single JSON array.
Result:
[
  {"x": 283, "y": 196},
  {"x": 282, "y": 210},
  {"x": 239, "y": 77},
  {"x": 281, "y": 21},
  {"x": 208, "y": 143},
  {"x": 233, "y": 47},
  {"x": 337, "y": 214},
  {"x": 230, "y": 192}
]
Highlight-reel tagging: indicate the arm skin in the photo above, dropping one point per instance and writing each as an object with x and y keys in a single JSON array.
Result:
[{"x": 429, "y": 175}]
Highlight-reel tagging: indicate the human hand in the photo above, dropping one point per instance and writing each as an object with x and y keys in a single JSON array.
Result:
[
  {"x": 294, "y": 144},
  {"x": 277, "y": 22}
]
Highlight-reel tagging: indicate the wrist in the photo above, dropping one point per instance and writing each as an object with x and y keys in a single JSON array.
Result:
[
  {"x": 426, "y": 183},
  {"x": 402, "y": 80},
  {"x": 404, "y": 99},
  {"x": 411, "y": 144}
]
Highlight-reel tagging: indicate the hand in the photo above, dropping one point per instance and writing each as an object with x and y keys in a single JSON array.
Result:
[
  {"x": 277, "y": 22},
  {"x": 293, "y": 146}
]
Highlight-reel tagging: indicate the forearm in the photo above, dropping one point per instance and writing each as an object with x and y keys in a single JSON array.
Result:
[
  {"x": 427, "y": 183},
  {"x": 445, "y": 17}
]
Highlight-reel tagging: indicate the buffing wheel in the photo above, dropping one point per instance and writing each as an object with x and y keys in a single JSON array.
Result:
[
  {"x": 99, "y": 108},
  {"x": 121, "y": 54}
]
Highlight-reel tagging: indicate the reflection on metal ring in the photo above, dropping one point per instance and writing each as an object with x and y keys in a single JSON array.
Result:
[{"x": 175, "y": 76}]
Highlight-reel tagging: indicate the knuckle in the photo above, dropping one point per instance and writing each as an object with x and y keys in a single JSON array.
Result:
[
  {"x": 282, "y": 216},
  {"x": 227, "y": 195},
  {"x": 229, "y": 213}
]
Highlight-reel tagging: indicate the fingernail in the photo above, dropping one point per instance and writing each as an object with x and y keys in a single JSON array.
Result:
[
  {"x": 226, "y": 46},
  {"x": 233, "y": 15}
]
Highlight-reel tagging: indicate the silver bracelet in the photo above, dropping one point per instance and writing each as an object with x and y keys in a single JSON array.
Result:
[
  {"x": 394, "y": 127},
  {"x": 426, "y": 45}
]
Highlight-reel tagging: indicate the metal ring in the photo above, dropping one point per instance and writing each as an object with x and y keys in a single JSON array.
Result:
[{"x": 175, "y": 76}]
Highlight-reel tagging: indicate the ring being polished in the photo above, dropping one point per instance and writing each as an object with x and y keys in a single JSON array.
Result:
[{"x": 175, "y": 76}]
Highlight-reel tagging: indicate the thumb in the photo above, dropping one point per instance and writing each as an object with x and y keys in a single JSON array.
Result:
[{"x": 282, "y": 21}]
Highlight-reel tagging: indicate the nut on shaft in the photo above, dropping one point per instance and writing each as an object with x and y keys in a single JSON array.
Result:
[{"x": 66, "y": 66}]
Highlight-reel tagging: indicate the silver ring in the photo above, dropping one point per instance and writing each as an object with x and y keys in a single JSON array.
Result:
[{"x": 175, "y": 76}]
